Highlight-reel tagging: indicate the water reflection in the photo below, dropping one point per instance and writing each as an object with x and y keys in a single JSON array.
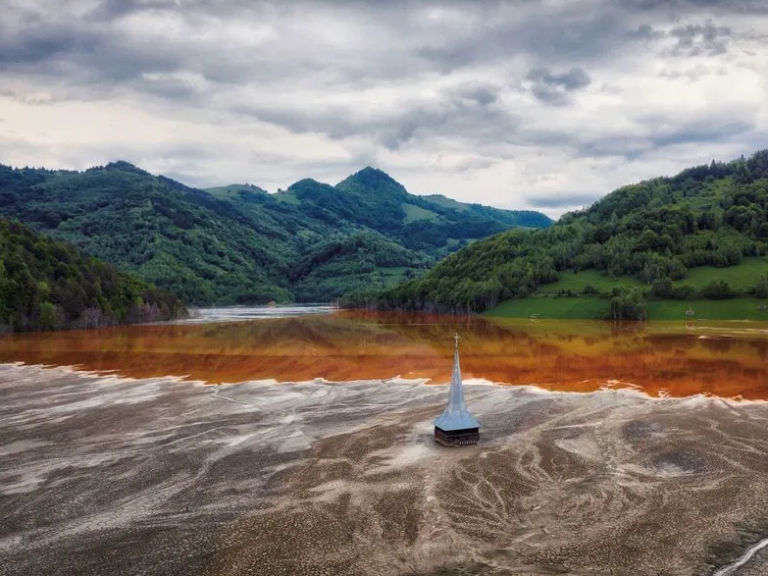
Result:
[{"x": 666, "y": 358}]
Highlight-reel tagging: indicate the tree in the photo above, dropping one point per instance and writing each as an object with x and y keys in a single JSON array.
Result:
[
  {"x": 628, "y": 305},
  {"x": 717, "y": 290},
  {"x": 761, "y": 288}
]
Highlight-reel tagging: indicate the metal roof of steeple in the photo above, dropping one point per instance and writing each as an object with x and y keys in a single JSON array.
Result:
[{"x": 456, "y": 416}]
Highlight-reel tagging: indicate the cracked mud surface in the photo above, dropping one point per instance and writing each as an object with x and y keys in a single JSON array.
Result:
[{"x": 103, "y": 475}]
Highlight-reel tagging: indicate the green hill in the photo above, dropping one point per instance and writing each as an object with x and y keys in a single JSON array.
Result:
[
  {"x": 239, "y": 244},
  {"x": 701, "y": 235},
  {"x": 45, "y": 284},
  {"x": 371, "y": 199},
  {"x": 353, "y": 262}
]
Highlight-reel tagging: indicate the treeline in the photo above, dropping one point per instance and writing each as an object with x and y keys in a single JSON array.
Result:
[
  {"x": 654, "y": 231},
  {"x": 49, "y": 285}
]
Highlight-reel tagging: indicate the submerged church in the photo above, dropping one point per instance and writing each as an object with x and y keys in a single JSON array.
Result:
[{"x": 456, "y": 426}]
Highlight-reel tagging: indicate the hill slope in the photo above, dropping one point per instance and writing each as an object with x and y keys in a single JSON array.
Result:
[
  {"x": 45, "y": 284},
  {"x": 664, "y": 238},
  {"x": 237, "y": 244}
]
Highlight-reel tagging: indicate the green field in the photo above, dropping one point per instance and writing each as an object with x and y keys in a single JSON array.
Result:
[
  {"x": 415, "y": 213},
  {"x": 741, "y": 278},
  {"x": 584, "y": 307},
  {"x": 547, "y": 304},
  {"x": 732, "y": 309},
  {"x": 576, "y": 281},
  {"x": 581, "y": 307}
]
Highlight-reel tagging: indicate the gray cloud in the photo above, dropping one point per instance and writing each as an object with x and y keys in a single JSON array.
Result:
[
  {"x": 459, "y": 86},
  {"x": 697, "y": 40},
  {"x": 555, "y": 88},
  {"x": 690, "y": 74},
  {"x": 718, "y": 6},
  {"x": 466, "y": 111},
  {"x": 690, "y": 40}
]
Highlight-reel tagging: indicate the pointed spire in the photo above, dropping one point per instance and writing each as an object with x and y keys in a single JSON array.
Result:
[{"x": 456, "y": 416}]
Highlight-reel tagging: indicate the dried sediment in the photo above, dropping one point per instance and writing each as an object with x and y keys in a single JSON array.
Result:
[{"x": 103, "y": 475}]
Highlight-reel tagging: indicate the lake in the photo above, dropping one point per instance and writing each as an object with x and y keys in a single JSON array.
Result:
[
  {"x": 134, "y": 463},
  {"x": 290, "y": 344}
]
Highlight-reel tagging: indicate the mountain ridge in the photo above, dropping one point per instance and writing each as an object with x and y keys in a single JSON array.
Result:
[{"x": 239, "y": 243}]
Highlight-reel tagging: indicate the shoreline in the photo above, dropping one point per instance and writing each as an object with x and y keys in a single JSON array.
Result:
[{"x": 626, "y": 388}]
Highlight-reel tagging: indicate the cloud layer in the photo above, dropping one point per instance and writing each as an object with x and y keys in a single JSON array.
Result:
[{"x": 518, "y": 103}]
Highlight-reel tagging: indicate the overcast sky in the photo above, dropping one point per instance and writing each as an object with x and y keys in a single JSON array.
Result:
[{"x": 544, "y": 104}]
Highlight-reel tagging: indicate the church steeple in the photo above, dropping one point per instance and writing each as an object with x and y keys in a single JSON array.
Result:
[{"x": 456, "y": 426}]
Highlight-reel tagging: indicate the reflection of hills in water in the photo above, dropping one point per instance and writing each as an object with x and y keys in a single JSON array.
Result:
[{"x": 579, "y": 356}]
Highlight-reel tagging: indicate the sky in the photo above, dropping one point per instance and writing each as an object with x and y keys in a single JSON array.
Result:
[{"x": 526, "y": 104}]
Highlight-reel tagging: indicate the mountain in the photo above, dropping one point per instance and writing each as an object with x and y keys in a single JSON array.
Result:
[
  {"x": 238, "y": 243},
  {"x": 200, "y": 248},
  {"x": 45, "y": 284},
  {"x": 434, "y": 224},
  {"x": 700, "y": 234}
]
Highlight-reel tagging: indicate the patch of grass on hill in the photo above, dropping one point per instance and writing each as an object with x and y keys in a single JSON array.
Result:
[
  {"x": 287, "y": 197},
  {"x": 577, "y": 281},
  {"x": 741, "y": 277},
  {"x": 415, "y": 213}
]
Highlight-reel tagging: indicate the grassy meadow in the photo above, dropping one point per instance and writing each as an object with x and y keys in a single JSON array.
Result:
[{"x": 549, "y": 302}]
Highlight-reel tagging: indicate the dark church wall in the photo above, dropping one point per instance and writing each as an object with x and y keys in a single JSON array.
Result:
[{"x": 465, "y": 437}]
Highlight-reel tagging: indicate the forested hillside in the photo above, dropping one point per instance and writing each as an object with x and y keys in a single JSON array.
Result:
[
  {"x": 371, "y": 200},
  {"x": 49, "y": 285},
  {"x": 239, "y": 244},
  {"x": 645, "y": 241}
]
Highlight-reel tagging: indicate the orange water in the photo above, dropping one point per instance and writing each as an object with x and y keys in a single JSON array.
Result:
[{"x": 725, "y": 359}]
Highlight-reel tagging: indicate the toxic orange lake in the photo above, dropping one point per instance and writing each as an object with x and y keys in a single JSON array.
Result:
[{"x": 727, "y": 359}]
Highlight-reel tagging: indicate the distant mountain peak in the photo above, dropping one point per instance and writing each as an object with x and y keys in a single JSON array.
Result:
[
  {"x": 373, "y": 174},
  {"x": 124, "y": 166},
  {"x": 371, "y": 179}
]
